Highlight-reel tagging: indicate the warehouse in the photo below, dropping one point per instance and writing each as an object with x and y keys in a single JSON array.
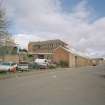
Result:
[
  {"x": 68, "y": 56},
  {"x": 57, "y": 51},
  {"x": 44, "y": 49}
]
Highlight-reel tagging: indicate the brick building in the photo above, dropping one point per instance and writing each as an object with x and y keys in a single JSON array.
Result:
[
  {"x": 44, "y": 49},
  {"x": 71, "y": 58},
  {"x": 57, "y": 51}
]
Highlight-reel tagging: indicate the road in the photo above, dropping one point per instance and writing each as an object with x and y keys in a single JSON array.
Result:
[{"x": 81, "y": 86}]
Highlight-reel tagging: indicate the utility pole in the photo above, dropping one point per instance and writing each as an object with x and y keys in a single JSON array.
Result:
[{"x": 18, "y": 52}]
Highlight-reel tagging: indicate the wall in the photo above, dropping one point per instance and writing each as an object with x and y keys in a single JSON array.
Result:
[
  {"x": 97, "y": 61},
  {"x": 71, "y": 60},
  {"x": 82, "y": 61},
  {"x": 12, "y": 58},
  {"x": 45, "y": 46},
  {"x": 61, "y": 55}
]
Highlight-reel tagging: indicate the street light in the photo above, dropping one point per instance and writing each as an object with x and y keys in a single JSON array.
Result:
[{"x": 18, "y": 51}]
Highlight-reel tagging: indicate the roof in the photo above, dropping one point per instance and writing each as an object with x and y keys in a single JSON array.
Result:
[{"x": 47, "y": 42}]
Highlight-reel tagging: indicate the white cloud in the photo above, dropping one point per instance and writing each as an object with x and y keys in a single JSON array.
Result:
[
  {"x": 44, "y": 19},
  {"x": 23, "y": 39}
]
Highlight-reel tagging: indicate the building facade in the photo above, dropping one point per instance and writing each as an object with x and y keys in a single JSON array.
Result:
[
  {"x": 8, "y": 48},
  {"x": 97, "y": 61},
  {"x": 57, "y": 51},
  {"x": 72, "y": 59},
  {"x": 44, "y": 49}
]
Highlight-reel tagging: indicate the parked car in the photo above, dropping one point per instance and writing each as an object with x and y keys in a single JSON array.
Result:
[
  {"x": 23, "y": 66},
  {"x": 43, "y": 63},
  {"x": 8, "y": 66}
]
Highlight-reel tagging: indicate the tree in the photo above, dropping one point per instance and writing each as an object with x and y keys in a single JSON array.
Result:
[
  {"x": 4, "y": 25},
  {"x": 4, "y": 34},
  {"x": 3, "y": 29}
]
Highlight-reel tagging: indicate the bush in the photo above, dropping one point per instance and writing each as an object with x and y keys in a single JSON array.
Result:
[
  {"x": 52, "y": 66},
  {"x": 30, "y": 56},
  {"x": 63, "y": 64}
]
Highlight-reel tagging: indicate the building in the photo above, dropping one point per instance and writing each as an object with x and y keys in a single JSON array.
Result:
[
  {"x": 72, "y": 59},
  {"x": 58, "y": 52},
  {"x": 97, "y": 61},
  {"x": 7, "y": 46},
  {"x": 44, "y": 49},
  {"x": 8, "y": 49}
]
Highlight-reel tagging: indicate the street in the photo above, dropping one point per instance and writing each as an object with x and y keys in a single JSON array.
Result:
[{"x": 72, "y": 86}]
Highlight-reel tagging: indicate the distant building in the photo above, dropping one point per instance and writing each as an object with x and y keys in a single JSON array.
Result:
[
  {"x": 7, "y": 46},
  {"x": 44, "y": 49},
  {"x": 97, "y": 61}
]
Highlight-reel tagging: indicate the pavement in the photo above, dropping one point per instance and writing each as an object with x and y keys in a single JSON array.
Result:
[{"x": 76, "y": 86}]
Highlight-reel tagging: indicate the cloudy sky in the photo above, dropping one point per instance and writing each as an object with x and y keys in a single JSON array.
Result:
[{"x": 81, "y": 23}]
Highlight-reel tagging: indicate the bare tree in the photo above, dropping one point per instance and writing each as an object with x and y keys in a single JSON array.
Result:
[
  {"x": 3, "y": 25},
  {"x": 4, "y": 34}
]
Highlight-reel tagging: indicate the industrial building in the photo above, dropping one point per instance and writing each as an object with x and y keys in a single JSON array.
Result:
[
  {"x": 73, "y": 59},
  {"x": 57, "y": 51},
  {"x": 44, "y": 49}
]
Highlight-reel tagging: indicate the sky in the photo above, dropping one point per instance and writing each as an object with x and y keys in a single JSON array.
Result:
[{"x": 80, "y": 23}]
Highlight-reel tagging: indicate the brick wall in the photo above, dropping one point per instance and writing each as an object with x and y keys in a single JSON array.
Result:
[
  {"x": 60, "y": 55},
  {"x": 71, "y": 60}
]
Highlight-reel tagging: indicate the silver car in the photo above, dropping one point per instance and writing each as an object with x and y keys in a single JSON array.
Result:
[{"x": 8, "y": 66}]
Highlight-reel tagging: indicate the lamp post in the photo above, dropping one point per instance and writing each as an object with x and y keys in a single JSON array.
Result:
[{"x": 18, "y": 52}]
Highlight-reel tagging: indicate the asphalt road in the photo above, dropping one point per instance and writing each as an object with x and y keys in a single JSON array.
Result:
[{"x": 82, "y": 86}]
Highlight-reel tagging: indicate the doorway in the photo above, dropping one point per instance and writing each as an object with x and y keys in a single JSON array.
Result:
[{"x": 40, "y": 56}]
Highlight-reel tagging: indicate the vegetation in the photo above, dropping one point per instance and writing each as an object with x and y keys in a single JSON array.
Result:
[
  {"x": 30, "y": 57},
  {"x": 63, "y": 64},
  {"x": 3, "y": 25},
  {"x": 51, "y": 66},
  {"x": 5, "y": 37}
]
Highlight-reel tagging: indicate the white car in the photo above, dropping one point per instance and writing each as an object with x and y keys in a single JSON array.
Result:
[
  {"x": 43, "y": 63},
  {"x": 8, "y": 66}
]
